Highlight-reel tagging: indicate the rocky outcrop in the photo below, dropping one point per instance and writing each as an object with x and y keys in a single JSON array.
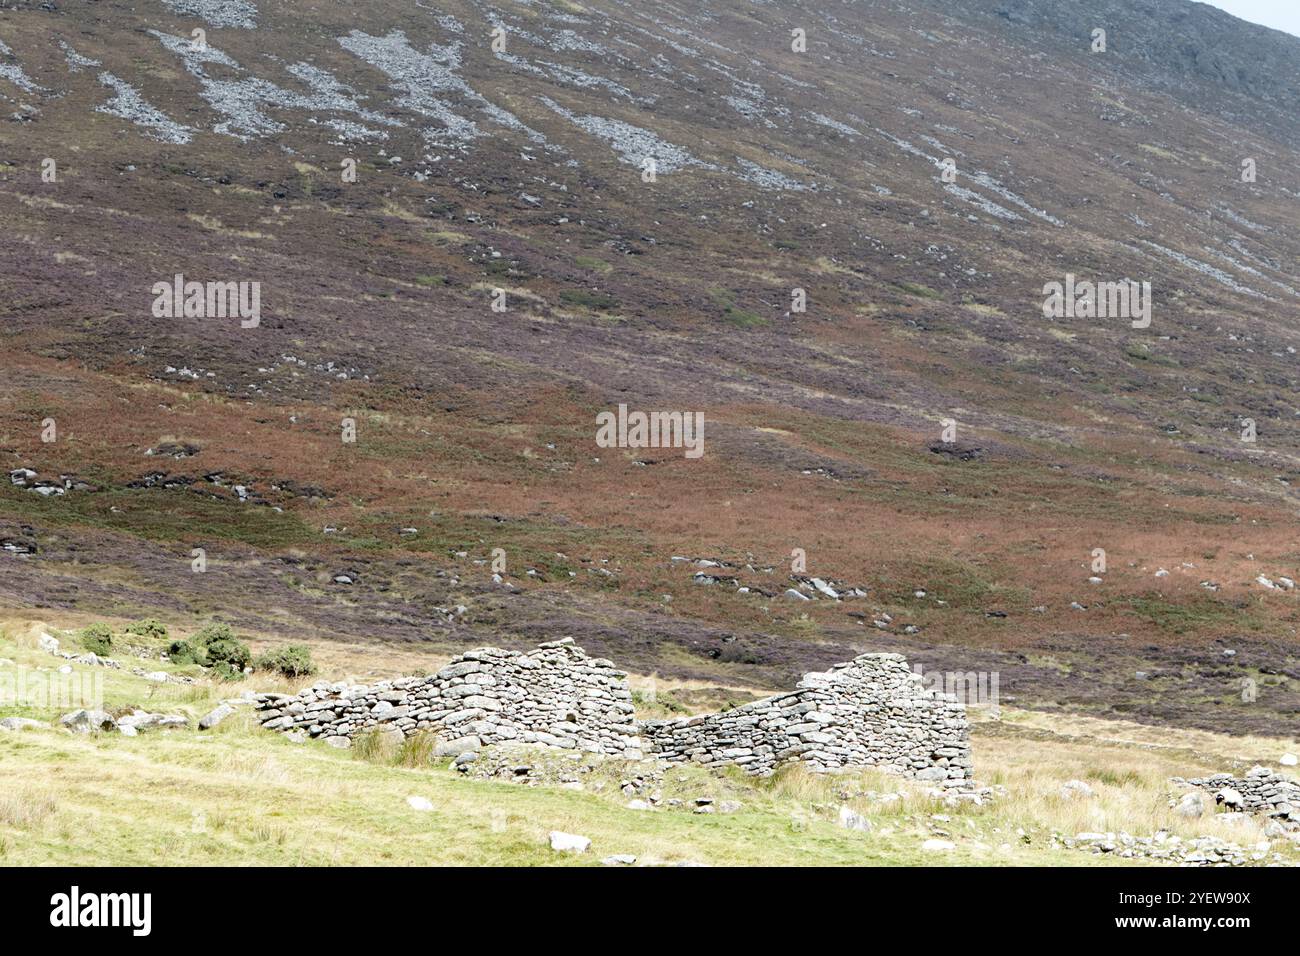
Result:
[{"x": 870, "y": 712}]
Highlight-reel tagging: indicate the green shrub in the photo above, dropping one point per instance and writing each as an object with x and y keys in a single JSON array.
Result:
[
  {"x": 216, "y": 631},
  {"x": 291, "y": 661},
  {"x": 234, "y": 653},
  {"x": 148, "y": 628},
  {"x": 223, "y": 670},
  {"x": 223, "y": 652},
  {"x": 186, "y": 652},
  {"x": 97, "y": 638}
]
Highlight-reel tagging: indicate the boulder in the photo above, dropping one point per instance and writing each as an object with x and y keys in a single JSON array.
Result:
[
  {"x": 143, "y": 720},
  {"x": 563, "y": 842},
  {"x": 1076, "y": 790},
  {"x": 1191, "y": 806},
  {"x": 215, "y": 716},
  {"x": 19, "y": 723},
  {"x": 454, "y": 748},
  {"x": 852, "y": 820},
  {"x": 88, "y": 721}
]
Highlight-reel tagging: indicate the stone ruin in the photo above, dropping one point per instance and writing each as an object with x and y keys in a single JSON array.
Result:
[
  {"x": 554, "y": 695},
  {"x": 1261, "y": 791},
  {"x": 870, "y": 712}
]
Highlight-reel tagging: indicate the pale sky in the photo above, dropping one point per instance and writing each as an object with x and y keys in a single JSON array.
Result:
[{"x": 1278, "y": 14}]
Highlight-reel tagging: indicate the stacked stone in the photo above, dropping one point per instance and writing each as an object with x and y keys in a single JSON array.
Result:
[
  {"x": 554, "y": 695},
  {"x": 870, "y": 712},
  {"x": 1262, "y": 791}
]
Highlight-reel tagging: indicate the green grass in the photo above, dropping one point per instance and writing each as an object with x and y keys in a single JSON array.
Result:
[
  {"x": 586, "y": 299},
  {"x": 1194, "y": 615},
  {"x": 919, "y": 290},
  {"x": 159, "y": 514},
  {"x": 740, "y": 318}
]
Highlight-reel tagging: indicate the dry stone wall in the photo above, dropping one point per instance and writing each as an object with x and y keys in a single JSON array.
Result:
[
  {"x": 872, "y": 711},
  {"x": 554, "y": 695},
  {"x": 1261, "y": 791}
]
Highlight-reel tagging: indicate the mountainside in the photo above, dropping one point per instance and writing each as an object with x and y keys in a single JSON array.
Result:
[{"x": 387, "y": 177}]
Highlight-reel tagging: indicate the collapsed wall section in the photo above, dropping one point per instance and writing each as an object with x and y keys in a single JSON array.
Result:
[{"x": 870, "y": 712}]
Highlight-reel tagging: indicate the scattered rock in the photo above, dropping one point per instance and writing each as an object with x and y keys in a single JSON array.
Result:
[
  {"x": 938, "y": 846},
  {"x": 852, "y": 820},
  {"x": 1192, "y": 806},
  {"x": 143, "y": 720},
  {"x": 1076, "y": 790},
  {"x": 419, "y": 803},
  {"x": 215, "y": 716},
  {"x": 568, "y": 842},
  {"x": 19, "y": 723},
  {"x": 88, "y": 721}
]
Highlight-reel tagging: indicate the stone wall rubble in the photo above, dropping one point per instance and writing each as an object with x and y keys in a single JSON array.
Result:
[{"x": 870, "y": 712}]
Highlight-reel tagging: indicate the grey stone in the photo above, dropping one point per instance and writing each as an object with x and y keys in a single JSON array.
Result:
[
  {"x": 88, "y": 721},
  {"x": 20, "y": 723},
  {"x": 215, "y": 716}
]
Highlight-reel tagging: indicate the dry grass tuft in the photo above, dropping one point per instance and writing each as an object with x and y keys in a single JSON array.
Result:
[{"x": 26, "y": 809}]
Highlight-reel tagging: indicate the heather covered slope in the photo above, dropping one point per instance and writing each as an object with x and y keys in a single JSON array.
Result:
[{"x": 775, "y": 170}]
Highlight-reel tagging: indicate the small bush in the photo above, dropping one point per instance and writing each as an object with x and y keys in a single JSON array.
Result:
[
  {"x": 186, "y": 652},
  {"x": 231, "y": 652},
  {"x": 216, "y": 631},
  {"x": 149, "y": 628},
  {"x": 223, "y": 652},
  {"x": 224, "y": 671},
  {"x": 292, "y": 661},
  {"x": 97, "y": 638}
]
